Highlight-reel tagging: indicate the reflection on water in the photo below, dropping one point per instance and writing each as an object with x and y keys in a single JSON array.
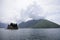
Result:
[{"x": 30, "y": 34}]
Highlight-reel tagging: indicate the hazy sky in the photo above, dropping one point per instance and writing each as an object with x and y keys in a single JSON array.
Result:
[{"x": 24, "y": 10}]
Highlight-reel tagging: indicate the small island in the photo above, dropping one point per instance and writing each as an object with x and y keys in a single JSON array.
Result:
[{"x": 12, "y": 26}]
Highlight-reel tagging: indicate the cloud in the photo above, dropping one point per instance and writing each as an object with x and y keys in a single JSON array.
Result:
[
  {"x": 50, "y": 2},
  {"x": 54, "y": 16},
  {"x": 23, "y": 10},
  {"x": 33, "y": 12}
]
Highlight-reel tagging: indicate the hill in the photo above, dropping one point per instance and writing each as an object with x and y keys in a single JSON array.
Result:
[
  {"x": 3, "y": 25},
  {"x": 42, "y": 23}
]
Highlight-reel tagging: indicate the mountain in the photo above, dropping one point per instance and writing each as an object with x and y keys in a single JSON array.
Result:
[
  {"x": 28, "y": 23},
  {"x": 42, "y": 23},
  {"x": 3, "y": 25}
]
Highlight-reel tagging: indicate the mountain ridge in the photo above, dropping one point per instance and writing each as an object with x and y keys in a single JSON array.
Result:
[
  {"x": 3, "y": 25},
  {"x": 42, "y": 23}
]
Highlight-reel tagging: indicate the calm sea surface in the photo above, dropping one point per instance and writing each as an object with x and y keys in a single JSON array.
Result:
[{"x": 30, "y": 34}]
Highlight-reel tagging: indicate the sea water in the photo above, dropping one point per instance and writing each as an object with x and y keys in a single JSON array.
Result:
[{"x": 30, "y": 34}]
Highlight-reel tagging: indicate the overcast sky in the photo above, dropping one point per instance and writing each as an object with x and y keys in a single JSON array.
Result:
[{"x": 24, "y": 10}]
